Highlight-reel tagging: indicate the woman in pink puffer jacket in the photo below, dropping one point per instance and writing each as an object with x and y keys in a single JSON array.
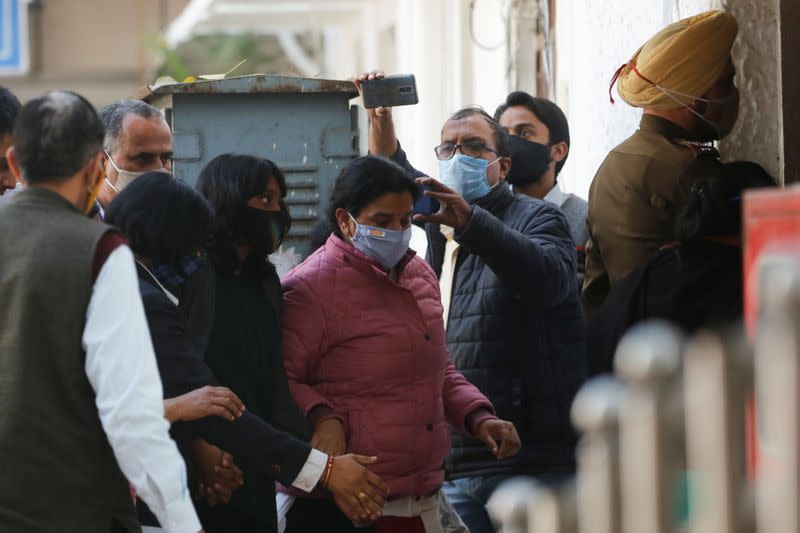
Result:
[{"x": 365, "y": 354}]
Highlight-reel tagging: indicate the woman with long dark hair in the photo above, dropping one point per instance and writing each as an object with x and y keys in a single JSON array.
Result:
[{"x": 251, "y": 219}]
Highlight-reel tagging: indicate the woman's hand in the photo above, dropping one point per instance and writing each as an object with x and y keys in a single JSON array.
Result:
[
  {"x": 329, "y": 437},
  {"x": 203, "y": 402},
  {"x": 217, "y": 475},
  {"x": 494, "y": 431}
]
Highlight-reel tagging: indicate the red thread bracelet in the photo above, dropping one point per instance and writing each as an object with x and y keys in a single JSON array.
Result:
[{"x": 328, "y": 470}]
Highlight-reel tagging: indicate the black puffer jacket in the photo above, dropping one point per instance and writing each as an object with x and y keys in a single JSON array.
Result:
[{"x": 515, "y": 329}]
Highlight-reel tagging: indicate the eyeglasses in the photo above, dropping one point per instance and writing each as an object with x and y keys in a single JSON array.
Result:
[{"x": 446, "y": 151}]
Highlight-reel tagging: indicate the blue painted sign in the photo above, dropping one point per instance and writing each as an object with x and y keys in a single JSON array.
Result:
[{"x": 13, "y": 37}]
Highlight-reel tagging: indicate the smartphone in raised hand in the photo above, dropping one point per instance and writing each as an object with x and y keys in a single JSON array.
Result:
[{"x": 390, "y": 91}]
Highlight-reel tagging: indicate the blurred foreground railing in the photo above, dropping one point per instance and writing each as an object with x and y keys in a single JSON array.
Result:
[{"x": 662, "y": 446}]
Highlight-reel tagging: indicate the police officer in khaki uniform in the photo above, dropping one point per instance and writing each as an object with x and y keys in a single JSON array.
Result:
[{"x": 683, "y": 78}]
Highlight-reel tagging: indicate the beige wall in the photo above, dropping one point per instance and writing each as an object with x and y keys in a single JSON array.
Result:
[{"x": 98, "y": 48}]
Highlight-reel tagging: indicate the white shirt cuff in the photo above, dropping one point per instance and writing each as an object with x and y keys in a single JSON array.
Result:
[
  {"x": 309, "y": 475},
  {"x": 181, "y": 517}
]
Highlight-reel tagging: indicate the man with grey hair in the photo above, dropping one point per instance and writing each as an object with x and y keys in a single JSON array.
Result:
[
  {"x": 137, "y": 140},
  {"x": 80, "y": 395}
]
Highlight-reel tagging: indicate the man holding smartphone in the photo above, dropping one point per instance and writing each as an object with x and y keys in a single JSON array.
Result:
[
  {"x": 507, "y": 274},
  {"x": 540, "y": 144}
]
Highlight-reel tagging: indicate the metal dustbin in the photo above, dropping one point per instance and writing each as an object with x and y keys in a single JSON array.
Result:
[{"x": 305, "y": 125}]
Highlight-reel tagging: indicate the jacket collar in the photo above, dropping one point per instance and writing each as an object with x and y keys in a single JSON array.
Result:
[
  {"x": 663, "y": 127},
  {"x": 43, "y": 197},
  {"x": 497, "y": 200},
  {"x": 337, "y": 247}
]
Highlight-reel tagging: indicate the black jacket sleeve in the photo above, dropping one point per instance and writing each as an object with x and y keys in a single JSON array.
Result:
[
  {"x": 249, "y": 439},
  {"x": 537, "y": 262}
]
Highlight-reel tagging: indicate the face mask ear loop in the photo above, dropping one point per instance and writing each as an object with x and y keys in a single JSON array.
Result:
[
  {"x": 113, "y": 164},
  {"x": 354, "y": 222}
]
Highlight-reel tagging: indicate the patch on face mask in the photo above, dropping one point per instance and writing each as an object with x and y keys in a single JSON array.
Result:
[{"x": 376, "y": 233}]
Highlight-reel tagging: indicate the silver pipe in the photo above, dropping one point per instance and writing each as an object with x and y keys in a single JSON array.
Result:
[
  {"x": 522, "y": 505},
  {"x": 648, "y": 361},
  {"x": 508, "y": 505},
  {"x": 716, "y": 380},
  {"x": 595, "y": 413}
]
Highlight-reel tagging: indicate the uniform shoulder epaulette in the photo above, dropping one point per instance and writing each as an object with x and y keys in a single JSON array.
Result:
[{"x": 699, "y": 149}]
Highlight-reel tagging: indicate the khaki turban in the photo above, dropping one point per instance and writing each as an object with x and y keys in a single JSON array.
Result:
[{"x": 686, "y": 58}]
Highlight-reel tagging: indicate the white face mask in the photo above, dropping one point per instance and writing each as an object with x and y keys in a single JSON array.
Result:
[
  {"x": 729, "y": 112},
  {"x": 125, "y": 177}
]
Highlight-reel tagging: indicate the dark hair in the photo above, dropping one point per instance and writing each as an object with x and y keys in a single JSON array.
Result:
[
  {"x": 228, "y": 181},
  {"x": 715, "y": 203},
  {"x": 55, "y": 136},
  {"x": 162, "y": 218},
  {"x": 548, "y": 112},
  {"x": 360, "y": 183},
  {"x": 500, "y": 135},
  {"x": 114, "y": 114},
  {"x": 9, "y": 109}
]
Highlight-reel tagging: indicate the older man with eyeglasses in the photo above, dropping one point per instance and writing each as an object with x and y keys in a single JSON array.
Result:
[
  {"x": 507, "y": 273},
  {"x": 138, "y": 140}
]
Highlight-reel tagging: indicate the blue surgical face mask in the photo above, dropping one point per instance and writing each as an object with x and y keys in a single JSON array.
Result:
[
  {"x": 466, "y": 175},
  {"x": 386, "y": 246}
]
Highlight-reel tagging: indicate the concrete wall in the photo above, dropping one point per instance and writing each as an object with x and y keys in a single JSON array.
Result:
[
  {"x": 758, "y": 135},
  {"x": 592, "y": 42}
]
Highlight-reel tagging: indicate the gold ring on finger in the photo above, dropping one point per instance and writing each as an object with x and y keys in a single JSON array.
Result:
[{"x": 362, "y": 495}]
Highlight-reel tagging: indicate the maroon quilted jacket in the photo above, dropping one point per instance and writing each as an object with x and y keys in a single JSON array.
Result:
[{"x": 374, "y": 350}]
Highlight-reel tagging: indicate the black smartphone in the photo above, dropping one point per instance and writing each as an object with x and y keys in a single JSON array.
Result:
[{"x": 391, "y": 91}]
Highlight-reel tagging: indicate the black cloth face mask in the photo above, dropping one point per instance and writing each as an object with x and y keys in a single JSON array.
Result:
[
  {"x": 529, "y": 161},
  {"x": 263, "y": 230}
]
